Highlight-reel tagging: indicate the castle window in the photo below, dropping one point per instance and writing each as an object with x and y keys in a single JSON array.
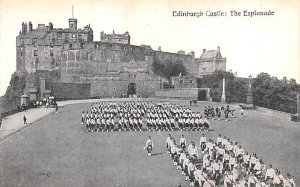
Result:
[
  {"x": 35, "y": 44},
  {"x": 21, "y": 54},
  {"x": 51, "y": 53},
  {"x": 114, "y": 89},
  {"x": 70, "y": 46},
  {"x": 35, "y": 53},
  {"x": 59, "y": 35},
  {"x": 191, "y": 81}
]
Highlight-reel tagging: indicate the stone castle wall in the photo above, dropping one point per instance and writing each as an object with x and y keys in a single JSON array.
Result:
[
  {"x": 187, "y": 93},
  {"x": 63, "y": 91},
  {"x": 116, "y": 88}
]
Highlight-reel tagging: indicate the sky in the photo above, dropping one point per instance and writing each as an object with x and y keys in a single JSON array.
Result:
[{"x": 251, "y": 45}]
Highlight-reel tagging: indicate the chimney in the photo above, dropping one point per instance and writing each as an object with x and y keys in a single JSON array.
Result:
[
  {"x": 159, "y": 48},
  {"x": 192, "y": 53},
  {"x": 102, "y": 35},
  {"x": 23, "y": 30},
  {"x": 204, "y": 50},
  {"x": 29, "y": 26},
  {"x": 25, "y": 27}
]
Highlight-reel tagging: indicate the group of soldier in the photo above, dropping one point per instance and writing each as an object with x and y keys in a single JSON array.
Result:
[
  {"x": 111, "y": 116},
  {"x": 131, "y": 116},
  {"x": 213, "y": 113},
  {"x": 222, "y": 162}
]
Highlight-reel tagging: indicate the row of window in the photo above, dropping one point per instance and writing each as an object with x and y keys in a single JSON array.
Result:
[
  {"x": 73, "y": 35},
  {"x": 35, "y": 53},
  {"x": 181, "y": 81},
  {"x": 111, "y": 47}
]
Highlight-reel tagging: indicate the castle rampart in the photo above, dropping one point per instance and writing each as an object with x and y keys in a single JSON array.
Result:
[{"x": 112, "y": 61}]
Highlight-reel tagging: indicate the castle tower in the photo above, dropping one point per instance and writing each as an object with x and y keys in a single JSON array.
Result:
[{"x": 72, "y": 21}]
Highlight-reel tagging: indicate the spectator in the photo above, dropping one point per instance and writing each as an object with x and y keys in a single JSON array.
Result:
[{"x": 24, "y": 119}]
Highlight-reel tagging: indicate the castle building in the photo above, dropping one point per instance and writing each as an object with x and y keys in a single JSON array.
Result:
[
  {"x": 115, "y": 38},
  {"x": 211, "y": 61},
  {"x": 105, "y": 68},
  {"x": 41, "y": 48}
]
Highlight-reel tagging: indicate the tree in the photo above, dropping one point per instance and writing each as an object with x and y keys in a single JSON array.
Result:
[
  {"x": 276, "y": 94},
  {"x": 168, "y": 69}
]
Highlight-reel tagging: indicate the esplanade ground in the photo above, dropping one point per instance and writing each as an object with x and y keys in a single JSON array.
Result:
[{"x": 58, "y": 151}]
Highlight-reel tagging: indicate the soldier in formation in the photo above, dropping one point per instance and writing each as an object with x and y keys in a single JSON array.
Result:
[{"x": 223, "y": 162}]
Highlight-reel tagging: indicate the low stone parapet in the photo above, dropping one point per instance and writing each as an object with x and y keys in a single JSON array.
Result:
[
  {"x": 295, "y": 117},
  {"x": 187, "y": 93}
]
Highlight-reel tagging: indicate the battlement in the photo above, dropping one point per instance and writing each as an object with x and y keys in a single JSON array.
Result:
[{"x": 48, "y": 32}]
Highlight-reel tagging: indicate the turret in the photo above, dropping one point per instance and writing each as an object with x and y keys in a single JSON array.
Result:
[
  {"x": 72, "y": 23},
  {"x": 50, "y": 26}
]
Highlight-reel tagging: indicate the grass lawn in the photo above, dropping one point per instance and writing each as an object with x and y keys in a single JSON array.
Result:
[{"x": 57, "y": 151}]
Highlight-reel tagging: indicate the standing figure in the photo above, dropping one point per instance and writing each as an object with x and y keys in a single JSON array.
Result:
[
  {"x": 149, "y": 146},
  {"x": 24, "y": 119},
  {"x": 203, "y": 143},
  {"x": 182, "y": 142},
  {"x": 289, "y": 182}
]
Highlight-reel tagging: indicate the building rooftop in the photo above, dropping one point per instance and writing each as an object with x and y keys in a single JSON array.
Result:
[
  {"x": 211, "y": 54},
  {"x": 36, "y": 33}
]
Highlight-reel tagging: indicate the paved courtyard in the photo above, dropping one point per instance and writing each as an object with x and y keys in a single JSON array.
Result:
[{"x": 57, "y": 151}]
